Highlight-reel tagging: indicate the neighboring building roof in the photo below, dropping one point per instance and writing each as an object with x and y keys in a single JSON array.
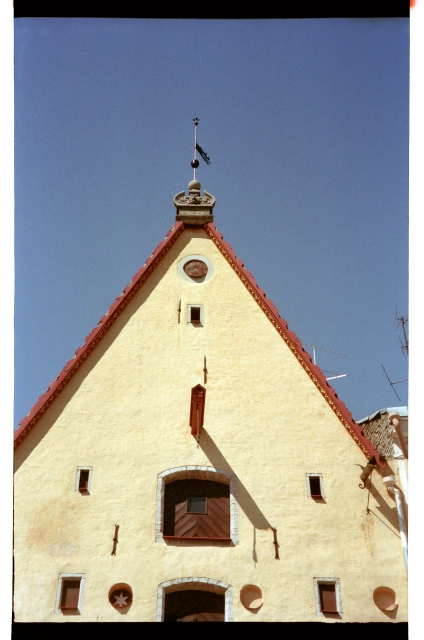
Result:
[
  {"x": 270, "y": 310},
  {"x": 381, "y": 432},
  {"x": 402, "y": 411}
]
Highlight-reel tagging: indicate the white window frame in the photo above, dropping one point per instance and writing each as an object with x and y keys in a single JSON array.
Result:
[
  {"x": 336, "y": 582},
  {"x": 200, "y": 473},
  {"x": 202, "y": 314},
  {"x": 308, "y": 486},
  {"x": 70, "y": 576},
  {"x": 202, "y": 584},
  {"x": 90, "y": 479}
]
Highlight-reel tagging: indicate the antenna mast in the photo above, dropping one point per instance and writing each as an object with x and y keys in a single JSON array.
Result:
[
  {"x": 336, "y": 353},
  {"x": 405, "y": 345}
]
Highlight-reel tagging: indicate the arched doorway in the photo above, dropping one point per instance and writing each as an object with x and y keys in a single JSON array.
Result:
[
  {"x": 194, "y": 600},
  {"x": 194, "y": 605}
]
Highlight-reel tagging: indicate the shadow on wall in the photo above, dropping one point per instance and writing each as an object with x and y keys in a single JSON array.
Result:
[
  {"x": 386, "y": 502},
  {"x": 245, "y": 500}
]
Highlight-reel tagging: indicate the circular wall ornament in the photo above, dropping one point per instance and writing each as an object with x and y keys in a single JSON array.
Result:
[
  {"x": 195, "y": 268},
  {"x": 120, "y": 596},
  {"x": 385, "y": 598},
  {"x": 251, "y": 597}
]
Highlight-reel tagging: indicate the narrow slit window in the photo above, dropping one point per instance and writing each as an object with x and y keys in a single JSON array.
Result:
[
  {"x": 197, "y": 504},
  {"x": 327, "y": 597},
  {"x": 315, "y": 486},
  {"x": 69, "y": 600}
]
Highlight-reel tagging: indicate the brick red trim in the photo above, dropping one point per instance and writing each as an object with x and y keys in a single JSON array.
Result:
[
  {"x": 92, "y": 340},
  {"x": 294, "y": 344}
]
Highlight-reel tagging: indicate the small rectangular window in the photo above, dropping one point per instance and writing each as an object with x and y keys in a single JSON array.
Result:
[
  {"x": 84, "y": 480},
  {"x": 196, "y": 504},
  {"x": 195, "y": 315},
  {"x": 327, "y": 597},
  {"x": 70, "y": 593},
  {"x": 315, "y": 486}
]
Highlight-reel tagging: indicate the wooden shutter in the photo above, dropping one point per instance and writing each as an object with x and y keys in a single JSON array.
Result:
[
  {"x": 70, "y": 594},
  {"x": 194, "y": 605},
  {"x": 197, "y": 407},
  {"x": 180, "y": 522},
  {"x": 327, "y": 594},
  {"x": 204, "y": 617}
]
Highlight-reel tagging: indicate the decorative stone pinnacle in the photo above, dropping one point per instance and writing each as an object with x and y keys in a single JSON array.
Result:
[{"x": 194, "y": 209}]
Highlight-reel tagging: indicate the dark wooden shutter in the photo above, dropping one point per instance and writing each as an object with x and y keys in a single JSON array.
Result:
[
  {"x": 327, "y": 594},
  {"x": 315, "y": 486},
  {"x": 197, "y": 407},
  {"x": 83, "y": 480},
  {"x": 70, "y": 594},
  {"x": 204, "y": 617},
  {"x": 194, "y": 606},
  {"x": 180, "y": 522}
]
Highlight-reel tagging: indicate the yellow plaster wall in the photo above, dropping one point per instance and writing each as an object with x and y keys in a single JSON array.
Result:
[{"x": 125, "y": 413}]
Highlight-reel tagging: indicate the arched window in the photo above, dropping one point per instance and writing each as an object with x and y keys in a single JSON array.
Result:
[
  {"x": 194, "y": 600},
  {"x": 196, "y": 504}
]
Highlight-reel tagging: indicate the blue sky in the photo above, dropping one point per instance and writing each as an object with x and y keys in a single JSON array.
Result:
[{"x": 306, "y": 125}]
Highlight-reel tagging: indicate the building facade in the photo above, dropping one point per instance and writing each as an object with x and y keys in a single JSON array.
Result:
[{"x": 191, "y": 463}]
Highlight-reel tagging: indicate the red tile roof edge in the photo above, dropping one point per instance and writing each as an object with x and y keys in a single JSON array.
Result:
[
  {"x": 71, "y": 367},
  {"x": 293, "y": 342}
]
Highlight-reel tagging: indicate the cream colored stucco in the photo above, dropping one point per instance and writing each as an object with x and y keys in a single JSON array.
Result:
[{"x": 125, "y": 414}]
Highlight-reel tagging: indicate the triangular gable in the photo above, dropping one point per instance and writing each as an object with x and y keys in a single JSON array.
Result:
[{"x": 270, "y": 310}]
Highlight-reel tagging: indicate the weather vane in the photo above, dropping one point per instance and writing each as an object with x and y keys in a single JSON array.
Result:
[{"x": 197, "y": 147}]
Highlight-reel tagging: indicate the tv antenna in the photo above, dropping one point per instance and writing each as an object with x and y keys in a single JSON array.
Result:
[
  {"x": 393, "y": 383},
  {"x": 402, "y": 322},
  {"x": 336, "y": 353}
]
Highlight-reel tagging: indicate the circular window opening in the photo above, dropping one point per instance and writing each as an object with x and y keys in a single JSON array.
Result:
[
  {"x": 251, "y": 597},
  {"x": 121, "y": 597}
]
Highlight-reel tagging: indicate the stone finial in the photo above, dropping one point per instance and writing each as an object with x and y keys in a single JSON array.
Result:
[{"x": 194, "y": 209}]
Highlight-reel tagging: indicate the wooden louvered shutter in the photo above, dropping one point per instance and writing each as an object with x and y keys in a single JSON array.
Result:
[
  {"x": 70, "y": 594},
  {"x": 181, "y": 522},
  {"x": 197, "y": 408},
  {"x": 327, "y": 593},
  {"x": 218, "y": 517}
]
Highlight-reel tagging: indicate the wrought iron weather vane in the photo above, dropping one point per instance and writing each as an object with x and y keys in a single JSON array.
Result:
[{"x": 197, "y": 147}]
